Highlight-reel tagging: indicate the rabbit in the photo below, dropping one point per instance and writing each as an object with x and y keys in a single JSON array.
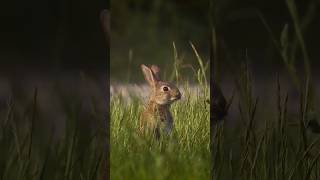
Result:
[{"x": 156, "y": 116}]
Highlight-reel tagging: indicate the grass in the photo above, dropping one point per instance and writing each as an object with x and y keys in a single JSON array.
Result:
[
  {"x": 184, "y": 155},
  {"x": 31, "y": 148},
  {"x": 276, "y": 145}
]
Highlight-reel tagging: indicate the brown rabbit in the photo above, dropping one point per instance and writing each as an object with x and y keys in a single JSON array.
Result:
[{"x": 156, "y": 116}]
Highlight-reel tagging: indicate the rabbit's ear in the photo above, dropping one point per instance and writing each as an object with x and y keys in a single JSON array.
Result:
[
  {"x": 156, "y": 71},
  {"x": 149, "y": 75}
]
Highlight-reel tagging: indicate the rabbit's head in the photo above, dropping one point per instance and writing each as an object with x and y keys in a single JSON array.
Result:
[{"x": 163, "y": 93}]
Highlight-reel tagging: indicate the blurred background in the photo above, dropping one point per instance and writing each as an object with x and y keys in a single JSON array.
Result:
[
  {"x": 45, "y": 41},
  {"x": 52, "y": 35},
  {"x": 262, "y": 33},
  {"x": 42, "y": 41},
  {"x": 57, "y": 48},
  {"x": 143, "y": 32},
  {"x": 250, "y": 28},
  {"x": 53, "y": 89}
]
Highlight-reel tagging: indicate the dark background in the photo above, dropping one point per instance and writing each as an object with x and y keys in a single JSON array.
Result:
[
  {"x": 241, "y": 29},
  {"x": 148, "y": 28},
  {"x": 47, "y": 35},
  {"x": 143, "y": 33},
  {"x": 66, "y": 34},
  {"x": 58, "y": 49}
]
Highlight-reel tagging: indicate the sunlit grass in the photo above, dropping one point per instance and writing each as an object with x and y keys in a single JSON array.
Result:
[{"x": 186, "y": 154}]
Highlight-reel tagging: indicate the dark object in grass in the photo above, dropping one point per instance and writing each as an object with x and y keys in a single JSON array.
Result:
[
  {"x": 219, "y": 105},
  {"x": 313, "y": 124}
]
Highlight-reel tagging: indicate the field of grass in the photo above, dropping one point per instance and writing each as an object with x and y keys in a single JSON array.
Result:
[
  {"x": 53, "y": 144},
  {"x": 268, "y": 143},
  {"x": 186, "y": 154},
  {"x": 283, "y": 143}
]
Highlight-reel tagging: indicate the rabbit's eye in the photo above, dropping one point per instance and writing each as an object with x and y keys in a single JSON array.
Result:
[{"x": 165, "y": 88}]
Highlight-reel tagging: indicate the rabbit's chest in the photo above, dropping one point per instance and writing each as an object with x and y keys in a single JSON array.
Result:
[
  {"x": 163, "y": 115},
  {"x": 165, "y": 121}
]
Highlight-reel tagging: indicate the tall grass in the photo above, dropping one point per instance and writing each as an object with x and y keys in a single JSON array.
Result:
[
  {"x": 277, "y": 146},
  {"x": 32, "y": 149},
  {"x": 265, "y": 147},
  {"x": 183, "y": 155}
]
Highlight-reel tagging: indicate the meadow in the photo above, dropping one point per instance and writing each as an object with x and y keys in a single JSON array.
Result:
[
  {"x": 272, "y": 129},
  {"x": 279, "y": 140},
  {"x": 48, "y": 131},
  {"x": 186, "y": 154}
]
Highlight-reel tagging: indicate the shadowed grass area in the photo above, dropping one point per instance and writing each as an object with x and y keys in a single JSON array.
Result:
[
  {"x": 279, "y": 144},
  {"x": 32, "y": 147},
  {"x": 276, "y": 145}
]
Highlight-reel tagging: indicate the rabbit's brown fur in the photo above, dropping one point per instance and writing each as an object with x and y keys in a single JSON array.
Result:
[{"x": 156, "y": 116}]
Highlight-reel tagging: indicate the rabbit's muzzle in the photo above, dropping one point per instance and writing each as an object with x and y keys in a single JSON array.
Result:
[{"x": 176, "y": 96}]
